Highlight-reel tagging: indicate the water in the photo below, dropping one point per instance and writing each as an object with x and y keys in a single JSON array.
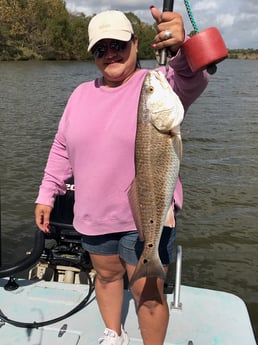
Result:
[{"x": 218, "y": 226}]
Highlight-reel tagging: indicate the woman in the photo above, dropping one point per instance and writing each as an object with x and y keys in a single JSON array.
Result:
[{"x": 95, "y": 143}]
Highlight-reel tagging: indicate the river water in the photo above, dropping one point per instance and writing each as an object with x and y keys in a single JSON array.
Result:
[{"x": 218, "y": 227}]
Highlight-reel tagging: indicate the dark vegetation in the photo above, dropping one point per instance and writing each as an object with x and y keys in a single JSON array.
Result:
[{"x": 45, "y": 30}]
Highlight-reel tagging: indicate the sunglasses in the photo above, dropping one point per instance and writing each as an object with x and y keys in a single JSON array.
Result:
[{"x": 114, "y": 45}]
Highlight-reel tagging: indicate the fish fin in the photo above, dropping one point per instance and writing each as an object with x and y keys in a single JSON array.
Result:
[
  {"x": 148, "y": 268},
  {"x": 178, "y": 144},
  {"x": 170, "y": 218},
  {"x": 135, "y": 207}
]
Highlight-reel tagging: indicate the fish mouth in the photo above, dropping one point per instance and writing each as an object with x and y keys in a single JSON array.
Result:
[{"x": 161, "y": 111}]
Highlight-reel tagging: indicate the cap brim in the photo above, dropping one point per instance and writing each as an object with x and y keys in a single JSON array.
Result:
[{"x": 115, "y": 35}]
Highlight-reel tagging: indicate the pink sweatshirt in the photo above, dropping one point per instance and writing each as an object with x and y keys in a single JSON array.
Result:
[{"x": 95, "y": 143}]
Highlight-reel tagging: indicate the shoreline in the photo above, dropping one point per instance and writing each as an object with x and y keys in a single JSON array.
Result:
[{"x": 241, "y": 54}]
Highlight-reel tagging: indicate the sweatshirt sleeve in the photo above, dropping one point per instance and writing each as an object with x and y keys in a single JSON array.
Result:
[{"x": 57, "y": 171}]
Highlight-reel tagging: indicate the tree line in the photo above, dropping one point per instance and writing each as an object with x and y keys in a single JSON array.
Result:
[
  {"x": 244, "y": 54},
  {"x": 46, "y": 30}
]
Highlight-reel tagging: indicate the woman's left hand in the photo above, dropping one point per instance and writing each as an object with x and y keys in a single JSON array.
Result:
[{"x": 171, "y": 33}]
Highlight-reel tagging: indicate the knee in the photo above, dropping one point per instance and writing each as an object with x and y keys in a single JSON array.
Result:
[
  {"x": 105, "y": 277},
  {"x": 147, "y": 295},
  {"x": 150, "y": 305}
]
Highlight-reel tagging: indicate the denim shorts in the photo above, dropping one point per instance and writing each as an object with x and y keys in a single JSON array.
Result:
[{"x": 128, "y": 245}]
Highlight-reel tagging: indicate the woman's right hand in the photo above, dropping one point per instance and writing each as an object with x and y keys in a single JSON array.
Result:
[{"x": 42, "y": 217}]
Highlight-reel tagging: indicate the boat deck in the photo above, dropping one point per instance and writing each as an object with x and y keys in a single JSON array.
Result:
[{"x": 207, "y": 317}]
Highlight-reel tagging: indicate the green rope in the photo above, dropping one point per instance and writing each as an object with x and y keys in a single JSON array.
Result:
[{"x": 190, "y": 15}]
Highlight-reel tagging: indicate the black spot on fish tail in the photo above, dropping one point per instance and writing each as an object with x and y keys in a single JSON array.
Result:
[{"x": 147, "y": 268}]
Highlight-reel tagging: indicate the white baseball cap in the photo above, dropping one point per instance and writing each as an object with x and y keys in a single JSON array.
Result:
[{"x": 110, "y": 25}]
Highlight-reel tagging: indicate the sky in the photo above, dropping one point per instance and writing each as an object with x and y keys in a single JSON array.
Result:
[{"x": 237, "y": 20}]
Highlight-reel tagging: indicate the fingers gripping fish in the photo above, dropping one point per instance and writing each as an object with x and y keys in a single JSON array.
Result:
[{"x": 158, "y": 150}]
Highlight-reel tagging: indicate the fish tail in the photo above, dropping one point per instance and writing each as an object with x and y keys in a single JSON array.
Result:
[{"x": 148, "y": 268}]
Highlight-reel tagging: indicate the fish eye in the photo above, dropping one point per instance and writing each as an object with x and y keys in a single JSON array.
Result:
[{"x": 151, "y": 89}]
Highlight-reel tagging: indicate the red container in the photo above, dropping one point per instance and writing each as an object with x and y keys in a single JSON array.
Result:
[{"x": 205, "y": 48}]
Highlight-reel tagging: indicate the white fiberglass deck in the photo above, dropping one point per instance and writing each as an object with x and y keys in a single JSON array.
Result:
[{"x": 207, "y": 317}]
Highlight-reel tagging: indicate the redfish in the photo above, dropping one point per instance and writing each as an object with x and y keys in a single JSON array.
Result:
[{"x": 158, "y": 151}]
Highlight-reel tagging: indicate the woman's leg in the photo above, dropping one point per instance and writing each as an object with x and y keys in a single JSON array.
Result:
[
  {"x": 153, "y": 313},
  {"x": 109, "y": 288}
]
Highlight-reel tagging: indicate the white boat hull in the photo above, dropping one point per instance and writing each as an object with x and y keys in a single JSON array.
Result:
[{"x": 207, "y": 317}]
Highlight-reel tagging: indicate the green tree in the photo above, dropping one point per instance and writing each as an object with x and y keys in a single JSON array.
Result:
[
  {"x": 52, "y": 29},
  {"x": 145, "y": 34},
  {"x": 79, "y": 36},
  {"x": 44, "y": 29}
]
